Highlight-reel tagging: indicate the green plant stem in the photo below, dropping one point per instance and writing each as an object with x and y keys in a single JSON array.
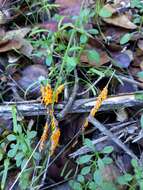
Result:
[{"x": 63, "y": 65}]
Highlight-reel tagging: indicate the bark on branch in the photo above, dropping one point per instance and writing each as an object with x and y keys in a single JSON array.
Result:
[{"x": 33, "y": 108}]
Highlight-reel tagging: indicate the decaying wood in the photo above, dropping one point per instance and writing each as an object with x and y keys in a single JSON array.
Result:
[{"x": 33, "y": 108}]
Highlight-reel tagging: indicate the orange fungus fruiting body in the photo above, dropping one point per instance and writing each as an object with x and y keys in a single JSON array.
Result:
[
  {"x": 55, "y": 139},
  {"x": 102, "y": 96},
  {"x": 44, "y": 137},
  {"x": 47, "y": 94}
]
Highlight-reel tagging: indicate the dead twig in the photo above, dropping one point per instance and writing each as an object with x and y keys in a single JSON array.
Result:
[
  {"x": 67, "y": 107},
  {"x": 119, "y": 127},
  {"x": 105, "y": 131},
  {"x": 45, "y": 172}
]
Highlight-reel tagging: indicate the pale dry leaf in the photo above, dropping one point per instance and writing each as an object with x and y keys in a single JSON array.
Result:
[
  {"x": 121, "y": 21},
  {"x": 12, "y": 58},
  {"x": 110, "y": 8},
  {"x": 141, "y": 65},
  {"x": 26, "y": 48},
  {"x": 130, "y": 54},
  {"x": 140, "y": 44},
  {"x": 122, "y": 115},
  {"x": 17, "y": 34}
]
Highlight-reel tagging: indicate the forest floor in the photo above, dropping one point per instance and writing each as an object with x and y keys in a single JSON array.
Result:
[{"x": 71, "y": 94}]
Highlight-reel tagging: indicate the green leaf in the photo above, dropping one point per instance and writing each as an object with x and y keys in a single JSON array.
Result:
[
  {"x": 93, "y": 31},
  {"x": 105, "y": 13},
  {"x": 19, "y": 129},
  {"x": 11, "y": 137},
  {"x": 107, "y": 150},
  {"x": 24, "y": 147},
  {"x": 24, "y": 181},
  {"x": 92, "y": 185},
  {"x": 100, "y": 163},
  {"x": 18, "y": 163},
  {"x": 1, "y": 154},
  {"x": 107, "y": 160},
  {"x": 97, "y": 72},
  {"x": 75, "y": 185},
  {"x": 19, "y": 158},
  {"x": 141, "y": 184},
  {"x": 31, "y": 134},
  {"x": 71, "y": 63},
  {"x": 83, "y": 39},
  {"x": 125, "y": 38},
  {"x": 139, "y": 96},
  {"x": 141, "y": 121},
  {"x": 12, "y": 153},
  {"x": 93, "y": 56},
  {"x": 5, "y": 172},
  {"x": 85, "y": 170},
  {"x": 80, "y": 178},
  {"x": 49, "y": 60},
  {"x": 23, "y": 163},
  {"x": 98, "y": 177},
  {"x": 75, "y": 48},
  {"x": 108, "y": 186},
  {"x": 84, "y": 159},
  {"x": 123, "y": 180},
  {"x": 140, "y": 74},
  {"x": 14, "y": 117},
  {"x": 134, "y": 163},
  {"x": 37, "y": 156},
  {"x": 89, "y": 144}
]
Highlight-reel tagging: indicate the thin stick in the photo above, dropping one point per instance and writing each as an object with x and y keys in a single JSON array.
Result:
[
  {"x": 105, "y": 131},
  {"x": 55, "y": 158},
  {"x": 85, "y": 149},
  {"x": 92, "y": 85},
  {"x": 45, "y": 173},
  {"x": 67, "y": 107},
  {"x": 19, "y": 175}
]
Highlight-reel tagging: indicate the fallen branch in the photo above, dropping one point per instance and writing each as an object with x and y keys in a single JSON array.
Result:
[
  {"x": 106, "y": 132},
  {"x": 33, "y": 108},
  {"x": 119, "y": 128}
]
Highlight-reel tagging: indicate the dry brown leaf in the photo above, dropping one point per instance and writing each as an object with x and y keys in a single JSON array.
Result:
[
  {"x": 104, "y": 58},
  {"x": 69, "y": 7},
  {"x": 11, "y": 44},
  {"x": 15, "y": 40},
  {"x": 3, "y": 42},
  {"x": 121, "y": 21}
]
